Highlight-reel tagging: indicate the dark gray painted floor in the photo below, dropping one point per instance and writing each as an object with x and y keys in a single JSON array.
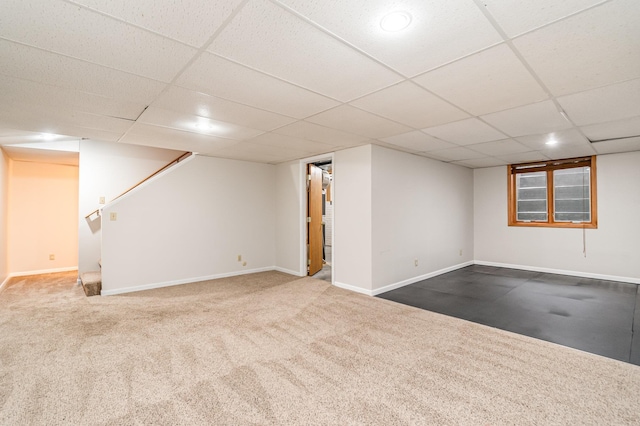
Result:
[{"x": 592, "y": 315}]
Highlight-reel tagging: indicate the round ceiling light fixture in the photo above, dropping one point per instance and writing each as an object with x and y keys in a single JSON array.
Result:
[
  {"x": 551, "y": 142},
  {"x": 395, "y": 21}
]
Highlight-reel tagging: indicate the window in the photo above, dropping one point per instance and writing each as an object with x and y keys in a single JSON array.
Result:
[{"x": 558, "y": 193}]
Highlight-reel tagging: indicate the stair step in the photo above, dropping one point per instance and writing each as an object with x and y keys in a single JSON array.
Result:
[{"x": 92, "y": 283}]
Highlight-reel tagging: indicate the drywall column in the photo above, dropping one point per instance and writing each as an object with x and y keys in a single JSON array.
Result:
[
  {"x": 43, "y": 217},
  {"x": 4, "y": 216},
  {"x": 289, "y": 212},
  {"x": 107, "y": 170},
  {"x": 611, "y": 250},
  {"x": 189, "y": 224},
  {"x": 352, "y": 219},
  {"x": 422, "y": 217}
]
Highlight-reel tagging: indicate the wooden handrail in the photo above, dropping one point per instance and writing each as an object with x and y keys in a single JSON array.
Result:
[{"x": 176, "y": 161}]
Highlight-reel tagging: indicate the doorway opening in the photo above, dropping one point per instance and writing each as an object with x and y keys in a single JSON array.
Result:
[{"x": 319, "y": 219}]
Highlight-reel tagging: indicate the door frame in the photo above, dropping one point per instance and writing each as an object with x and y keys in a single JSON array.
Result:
[{"x": 303, "y": 213}]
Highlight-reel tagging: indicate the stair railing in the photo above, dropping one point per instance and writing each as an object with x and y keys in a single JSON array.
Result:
[{"x": 176, "y": 161}]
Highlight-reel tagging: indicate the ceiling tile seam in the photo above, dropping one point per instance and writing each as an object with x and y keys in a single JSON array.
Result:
[
  {"x": 365, "y": 111},
  {"x": 196, "y": 55},
  {"x": 202, "y": 134},
  {"x": 525, "y": 63},
  {"x": 75, "y": 110},
  {"x": 131, "y": 24},
  {"x": 274, "y": 130},
  {"x": 277, "y": 78},
  {"x": 81, "y": 60},
  {"x": 336, "y": 37},
  {"x": 98, "y": 95},
  {"x": 432, "y": 93}
]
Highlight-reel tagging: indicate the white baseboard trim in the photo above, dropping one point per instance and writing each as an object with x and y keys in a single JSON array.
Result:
[
  {"x": 43, "y": 271},
  {"x": 420, "y": 278},
  {"x": 288, "y": 271},
  {"x": 182, "y": 281},
  {"x": 4, "y": 283},
  {"x": 353, "y": 288},
  {"x": 561, "y": 272}
]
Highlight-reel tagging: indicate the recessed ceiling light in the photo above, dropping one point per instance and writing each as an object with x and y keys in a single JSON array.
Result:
[
  {"x": 47, "y": 136},
  {"x": 551, "y": 142},
  {"x": 395, "y": 21}
]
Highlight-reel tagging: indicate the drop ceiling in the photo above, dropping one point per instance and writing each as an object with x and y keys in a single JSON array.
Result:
[{"x": 471, "y": 82}]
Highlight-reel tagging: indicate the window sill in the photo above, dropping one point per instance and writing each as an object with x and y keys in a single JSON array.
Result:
[{"x": 555, "y": 225}]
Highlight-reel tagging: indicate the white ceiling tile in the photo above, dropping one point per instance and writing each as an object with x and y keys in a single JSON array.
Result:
[
  {"x": 481, "y": 162},
  {"x": 542, "y": 117},
  {"x": 268, "y": 38},
  {"x": 291, "y": 143},
  {"x": 315, "y": 132},
  {"x": 219, "y": 77},
  {"x": 563, "y": 138},
  {"x": 354, "y": 120},
  {"x": 613, "y": 129},
  {"x": 447, "y": 30},
  {"x": 189, "y": 21},
  {"x": 617, "y": 145},
  {"x": 489, "y": 81},
  {"x": 591, "y": 49},
  {"x": 38, "y": 118},
  {"x": 44, "y": 95},
  {"x": 418, "y": 141},
  {"x": 92, "y": 37},
  {"x": 48, "y": 68},
  {"x": 524, "y": 157},
  {"x": 40, "y": 124},
  {"x": 559, "y": 152},
  {"x": 607, "y": 103},
  {"x": 517, "y": 17},
  {"x": 260, "y": 153},
  {"x": 162, "y": 137},
  {"x": 454, "y": 154},
  {"x": 465, "y": 132},
  {"x": 411, "y": 105},
  {"x": 496, "y": 148},
  {"x": 195, "y": 124},
  {"x": 203, "y": 105}
]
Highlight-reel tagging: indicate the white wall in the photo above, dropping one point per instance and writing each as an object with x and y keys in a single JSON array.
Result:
[
  {"x": 421, "y": 209},
  {"x": 352, "y": 218},
  {"x": 107, "y": 170},
  {"x": 288, "y": 218},
  {"x": 4, "y": 214},
  {"x": 190, "y": 224},
  {"x": 612, "y": 249},
  {"x": 43, "y": 217}
]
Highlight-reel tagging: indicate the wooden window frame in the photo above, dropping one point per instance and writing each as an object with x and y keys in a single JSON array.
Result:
[{"x": 549, "y": 167}]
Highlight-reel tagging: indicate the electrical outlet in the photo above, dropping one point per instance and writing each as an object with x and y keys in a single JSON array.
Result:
[
  {"x": 415, "y": 261},
  {"x": 113, "y": 216},
  {"x": 52, "y": 257},
  {"x": 460, "y": 252},
  {"x": 239, "y": 258},
  {"x": 101, "y": 200},
  {"x": 244, "y": 263}
]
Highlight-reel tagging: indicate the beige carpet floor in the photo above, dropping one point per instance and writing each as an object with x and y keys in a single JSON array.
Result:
[{"x": 273, "y": 349}]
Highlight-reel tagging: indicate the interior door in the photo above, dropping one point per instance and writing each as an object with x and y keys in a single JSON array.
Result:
[{"x": 314, "y": 218}]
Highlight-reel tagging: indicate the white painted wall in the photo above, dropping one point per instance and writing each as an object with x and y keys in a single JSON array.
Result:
[
  {"x": 612, "y": 249},
  {"x": 352, "y": 219},
  {"x": 4, "y": 216},
  {"x": 107, "y": 170},
  {"x": 289, "y": 211},
  {"x": 421, "y": 209},
  {"x": 190, "y": 224},
  {"x": 43, "y": 217}
]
